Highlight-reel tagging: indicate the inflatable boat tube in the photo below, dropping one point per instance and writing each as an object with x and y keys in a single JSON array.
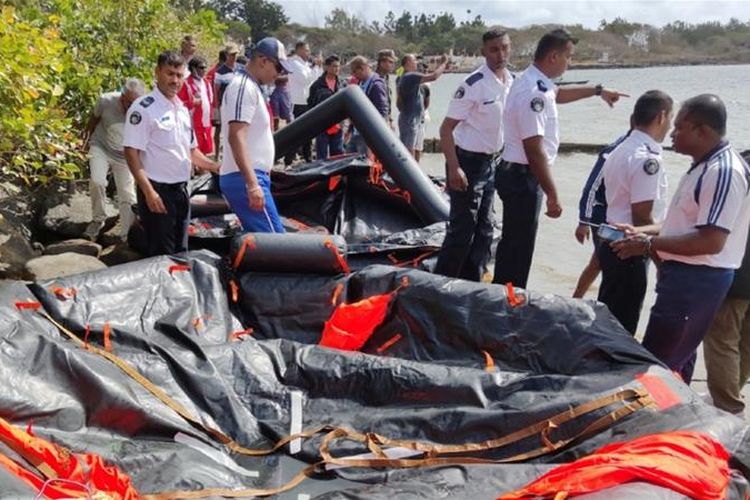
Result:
[
  {"x": 206, "y": 204},
  {"x": 289, "y": 253},
  {"x": 352, "y": 103}
]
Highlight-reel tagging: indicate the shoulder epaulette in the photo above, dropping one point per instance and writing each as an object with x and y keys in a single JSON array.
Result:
[
  {"x": 474, "y": 78},
  {"x": 147, "y": 101},
  {"x": 541, "y": 86}
]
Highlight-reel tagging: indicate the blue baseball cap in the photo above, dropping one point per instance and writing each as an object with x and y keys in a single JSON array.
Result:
[{"x": 273, "y": 49}]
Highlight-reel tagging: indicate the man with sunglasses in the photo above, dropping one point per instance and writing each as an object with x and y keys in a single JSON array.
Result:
[
  {"x": 702, "y": 240},
  {"x": 102, "y": 140},
  {"x": 249, "y": 150}
]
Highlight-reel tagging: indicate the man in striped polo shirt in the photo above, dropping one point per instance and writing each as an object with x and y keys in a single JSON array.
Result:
[{"x": 702, "y": 240}]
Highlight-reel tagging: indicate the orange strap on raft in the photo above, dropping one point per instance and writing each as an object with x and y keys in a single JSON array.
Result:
[
  {"x": 178, "y": 268},
  {"x": 33, "y": 305},
  {"x": 333, "y": 182},
  {"x": 388, "y": 343},
  {"x": 107, "y": 333},
  {"x": 63, "y": 473},
  {"x": 63, "y": 293},
  {"x": 690, "y": 463},
  {"x": 247, "y": 243},
  {"x": 235, "y": 290},
  {"x": 513, "y": 299},
  {"x": 234, "y": 336},
  {"x": 489, "y": 363},
  {"x": 339, "y": 258},
  {"x": 337, "y": 294}
]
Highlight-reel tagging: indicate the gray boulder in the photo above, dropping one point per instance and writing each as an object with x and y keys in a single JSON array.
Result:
[
  {"x": 119, "y": 253},
  {"x": 15, "y": 250},
  {"x": 67, "y": 212},
  {"x": 78, "y": 245},
  {"x": 65, "y": 264}
]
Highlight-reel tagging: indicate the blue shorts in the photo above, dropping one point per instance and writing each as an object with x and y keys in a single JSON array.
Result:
[
  {"x": 281, "y": 105},
  {"x": 408, "y": 129},
  {"x": 234, "y": 189}
]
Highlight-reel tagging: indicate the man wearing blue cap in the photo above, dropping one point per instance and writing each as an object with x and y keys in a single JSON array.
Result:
[{"x": 249, "y": 149}]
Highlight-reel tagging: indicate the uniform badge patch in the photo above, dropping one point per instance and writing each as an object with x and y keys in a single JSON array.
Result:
[
  {"x": 460, "y": 92},
  {"x": 147, "y": 101},
  {"x": 651, "y": 166},
  {"x": 537, "y": 104},
  {"x": 135, "y": 118}
]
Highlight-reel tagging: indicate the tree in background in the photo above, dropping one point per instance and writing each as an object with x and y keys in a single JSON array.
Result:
[
  {"x": 262, "y": 16},
  {"x": 58, "y": 56}
]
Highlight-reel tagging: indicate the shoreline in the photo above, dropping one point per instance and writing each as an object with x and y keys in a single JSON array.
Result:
[{"x": 656, "y": 64}]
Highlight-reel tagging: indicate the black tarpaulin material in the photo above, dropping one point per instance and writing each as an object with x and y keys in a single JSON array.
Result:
[
  {"x": 175, "y": 322},
  {"x": 347, "y": 196}
]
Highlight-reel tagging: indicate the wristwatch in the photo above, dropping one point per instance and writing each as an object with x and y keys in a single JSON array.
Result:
[{"x": 598, "y": 89}]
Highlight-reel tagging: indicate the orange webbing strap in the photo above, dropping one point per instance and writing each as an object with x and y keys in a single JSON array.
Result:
[
  {"x": 177, "y": 407},
  {"x": 337, "y": 294},
  {"x": 412, "y": 262},
  {"x": 489, "y": 363},
  {"x": 178, "y": 268},
  {"x": 63, "y": 293},
  {"x": 328, "y": 243},
  {"x": 239, "y": 334},
  {"x": 235, "y": 290},
  {"x": 107, "y": 332},
  {"x": 33, "y": 305},
  {"x": 513, "y": 299},
  {"x": 247, "y": 243},
  {"x": 388, "y": 343}
]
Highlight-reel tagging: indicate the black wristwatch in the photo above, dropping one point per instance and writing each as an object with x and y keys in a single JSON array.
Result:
[{"x": 598, "y": 89}]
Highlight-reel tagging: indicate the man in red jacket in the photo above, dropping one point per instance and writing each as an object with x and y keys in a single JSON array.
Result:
[{"x": 198, "y": 97}]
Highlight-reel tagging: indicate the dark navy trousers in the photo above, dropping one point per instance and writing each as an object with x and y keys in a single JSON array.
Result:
[
  {"x": 623, "y": 286},
  {"x": 467, "y": 245},
  {"x": 687, "y": 299},
  {"x": 167, "y": 233},
  {"x": 522, "y": 201}
]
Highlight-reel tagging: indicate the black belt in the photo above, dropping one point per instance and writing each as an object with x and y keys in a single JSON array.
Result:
[
  {"x": 473, "y": 154},
  {"x": 512, "y": 166},
  {"x": 165, "y": 185}
]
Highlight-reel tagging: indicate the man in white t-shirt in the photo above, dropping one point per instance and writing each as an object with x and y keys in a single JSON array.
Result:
[
  {"x": 103, "y": 141},
  {"x": 249, "y": 150},
  {"x": 702, "y": 240},
  {"x": 635, "y": 186}
]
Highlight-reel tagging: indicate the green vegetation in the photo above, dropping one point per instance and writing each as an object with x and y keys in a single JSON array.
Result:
[{"x": 58, "y": 56}]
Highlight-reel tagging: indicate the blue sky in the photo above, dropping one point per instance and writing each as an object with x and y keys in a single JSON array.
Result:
[{"x": 521, "y": 13}]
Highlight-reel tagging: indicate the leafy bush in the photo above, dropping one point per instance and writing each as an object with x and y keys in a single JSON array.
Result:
[{"x": 58, "y": 56}]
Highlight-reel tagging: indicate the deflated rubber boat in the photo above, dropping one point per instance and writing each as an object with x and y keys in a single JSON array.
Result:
[{"x": 191, "y": 378}]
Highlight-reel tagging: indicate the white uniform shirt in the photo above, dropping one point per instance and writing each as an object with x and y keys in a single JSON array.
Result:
[
  {"x": 478, "y": 104},
  {"x": 633, "y": 173},
  {"x": 300, "y": 79},
  {"x": 244, "y": 102},
  {"x": 161, "y": 130},
  {"x": 713, "y": 192},
  {"x": 531, "y": 110}
]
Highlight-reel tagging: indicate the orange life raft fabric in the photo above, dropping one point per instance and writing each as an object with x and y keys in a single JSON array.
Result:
[
  {"x": 78, "y": 476},
  {"x": 351, "y": 325},
  {"x": 689, "y": 463}
]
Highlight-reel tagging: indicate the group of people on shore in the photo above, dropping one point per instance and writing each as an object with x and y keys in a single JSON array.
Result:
[{"x": 500, "y": 135}]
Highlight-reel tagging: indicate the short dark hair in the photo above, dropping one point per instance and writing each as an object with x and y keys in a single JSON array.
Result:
[
  {"x": 197, "y": 61},
  {"x": 331, "y": 59},
  {"x": 170, "y": 58},
  {"x": 492, "y": 34},
  {"x": 649, "y": 105},
  {"x": 299, "y": 45},
  {"x": 708, "y": 110},
  {"x": 555, "y": 40}
]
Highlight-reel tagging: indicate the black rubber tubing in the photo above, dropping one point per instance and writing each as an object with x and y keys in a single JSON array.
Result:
[{"x": 428, "y": 202}]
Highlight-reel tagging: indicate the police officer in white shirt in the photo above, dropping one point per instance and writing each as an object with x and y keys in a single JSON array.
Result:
[
  {"x": 249, "y": 150},
  {"x": 531, "y": 141},
  {"x": 471, "y": 136},
  {"x": 303, "y": 74},
  {"x": 702, "y": 239},
  {"x": 635, "y": 186},
  {"x": 159, "y": 148}
]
